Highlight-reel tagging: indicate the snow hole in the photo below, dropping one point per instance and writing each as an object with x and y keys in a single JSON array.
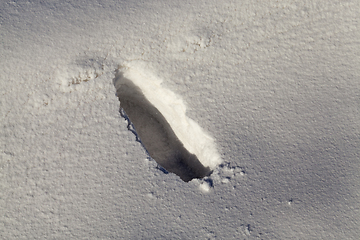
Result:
[{"x": 157, "y": 116}]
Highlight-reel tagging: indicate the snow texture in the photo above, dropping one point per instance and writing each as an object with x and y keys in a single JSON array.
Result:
[{"x": 275, "y": 84}]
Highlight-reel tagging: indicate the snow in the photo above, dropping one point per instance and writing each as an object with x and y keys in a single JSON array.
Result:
[{"x": 274, "y": 84}]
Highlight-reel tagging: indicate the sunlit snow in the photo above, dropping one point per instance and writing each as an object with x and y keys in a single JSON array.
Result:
[{"x": 264, "y": 93}]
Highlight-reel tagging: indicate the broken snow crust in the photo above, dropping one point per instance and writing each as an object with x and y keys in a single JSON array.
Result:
[{"x": 172, "y": 107}]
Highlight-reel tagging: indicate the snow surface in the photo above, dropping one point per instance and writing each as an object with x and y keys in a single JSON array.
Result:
[{"x": 275, "y": 83}]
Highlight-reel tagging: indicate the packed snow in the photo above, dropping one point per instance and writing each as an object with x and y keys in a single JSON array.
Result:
[{"x": 264, "y": 93}]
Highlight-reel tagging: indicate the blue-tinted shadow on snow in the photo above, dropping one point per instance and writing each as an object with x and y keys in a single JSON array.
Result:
[{"x": 155, "y": 133}]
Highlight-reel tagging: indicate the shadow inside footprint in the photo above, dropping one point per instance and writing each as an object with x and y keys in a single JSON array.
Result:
[{"x": 155, "y": 133}]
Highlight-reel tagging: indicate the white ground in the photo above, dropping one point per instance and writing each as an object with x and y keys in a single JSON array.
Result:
[{"x": 275, "y": 83}]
